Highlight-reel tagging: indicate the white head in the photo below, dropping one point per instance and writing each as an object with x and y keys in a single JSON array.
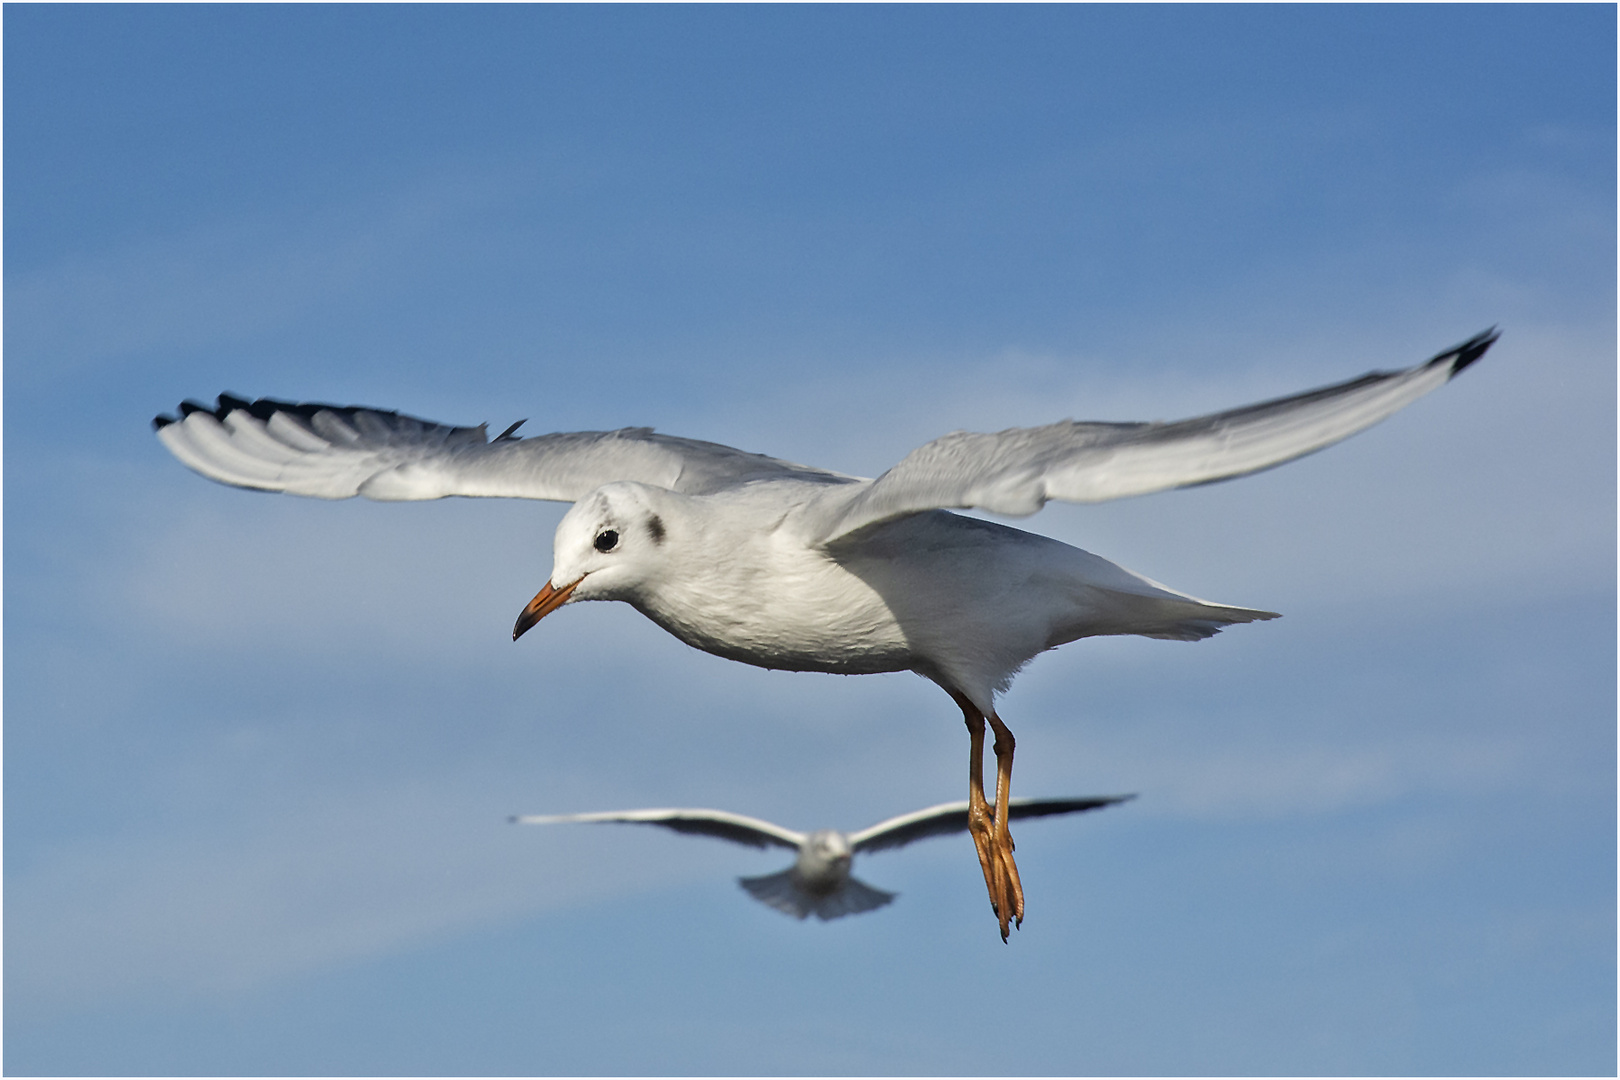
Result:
[
  {"x": 607, "y": 545},
  {"x": 824, "y": 859}
]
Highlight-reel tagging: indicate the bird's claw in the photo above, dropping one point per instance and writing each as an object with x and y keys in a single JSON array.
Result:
[
  {"x": 1011, "y": 909},
  {"x": 1006, "y": 892}
]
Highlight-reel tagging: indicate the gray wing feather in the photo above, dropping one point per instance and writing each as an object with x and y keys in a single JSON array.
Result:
[
  {"x": 952, "y": 817},
  {"x": 1016, "y": 471},
  {"x": 337, "y": 452},
  {"x": 737, "y": 828}
]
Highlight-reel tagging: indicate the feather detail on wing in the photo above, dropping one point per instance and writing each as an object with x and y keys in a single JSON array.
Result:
[
  {"x": 1015, "y": 472},
  {"x": 737, "y": 828},
  {"x": 337, "y": 452},
  {"x": 952, "y": 817}
]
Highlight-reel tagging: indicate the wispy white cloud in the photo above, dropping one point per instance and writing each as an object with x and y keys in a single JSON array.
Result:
[
  {"x": 318, "y": 878},
  {"x": 1254, "y": 782},
  {"x": 227, "y": 282}
]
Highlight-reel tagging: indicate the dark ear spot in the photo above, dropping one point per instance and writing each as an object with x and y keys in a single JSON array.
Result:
[{"x": 655, "y": 526}]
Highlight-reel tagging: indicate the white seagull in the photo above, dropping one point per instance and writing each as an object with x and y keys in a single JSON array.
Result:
[
  {"x": 789, "y": 566},
  {"x": 819, "y": 882}
]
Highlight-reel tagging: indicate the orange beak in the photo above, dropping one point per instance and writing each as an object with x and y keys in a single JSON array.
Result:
[{"x": 544, "y": 603}]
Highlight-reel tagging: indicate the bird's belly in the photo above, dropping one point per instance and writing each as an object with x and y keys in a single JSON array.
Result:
[
  {"x": 839, "y": 646},
  {"x": 821, "y": 618}
]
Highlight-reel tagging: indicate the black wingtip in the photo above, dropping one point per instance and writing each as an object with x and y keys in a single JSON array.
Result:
[
  {"x": 227, "y": 402},
  {"x": 1462, "y": 355}
]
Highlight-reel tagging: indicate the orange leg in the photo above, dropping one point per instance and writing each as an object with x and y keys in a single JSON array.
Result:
[
  {"x": 981, "y": 822},
  {"x": 988, "y": 826},
  {"x": 1004, "y": 745}
]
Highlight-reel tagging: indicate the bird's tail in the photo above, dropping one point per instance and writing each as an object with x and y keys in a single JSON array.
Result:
[
  {"x": 1192, "y": 620},
  {"x": 1157, "y": 612},
  {"x": 783, "y": 892},
  {"x": 855, "y": 897}
]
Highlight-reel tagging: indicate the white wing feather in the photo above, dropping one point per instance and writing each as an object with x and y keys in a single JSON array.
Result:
[
  {"x": 333, "y": 452},
  {"x": 1015, "y": 472},
  {"x": 738, "y": 828}
]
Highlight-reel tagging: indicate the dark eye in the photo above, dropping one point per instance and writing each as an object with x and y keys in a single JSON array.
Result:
[{"x": 607, "y": 540}]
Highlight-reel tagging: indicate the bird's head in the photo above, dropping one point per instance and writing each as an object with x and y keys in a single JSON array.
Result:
[
  {"x": 824, "y": 859},
  {"x": 607, "y": 546}
]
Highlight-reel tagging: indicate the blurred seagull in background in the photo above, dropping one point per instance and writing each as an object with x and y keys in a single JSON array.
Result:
[
  {"x": 819, "y": 882},
  {"x": 788, "y": 566}
]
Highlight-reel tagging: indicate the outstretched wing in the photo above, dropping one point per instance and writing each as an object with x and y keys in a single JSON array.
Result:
[
  {"x": 953, "y": 818},
  {"x": 336, "y": 452},
  {"x": 737, "y": 828},
  {"x": 1016, "y": 471}
]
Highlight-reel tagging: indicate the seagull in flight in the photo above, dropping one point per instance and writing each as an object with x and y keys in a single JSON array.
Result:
[
  {"x": 801, "y": 568},
  {"x": 819, "y": 882}
]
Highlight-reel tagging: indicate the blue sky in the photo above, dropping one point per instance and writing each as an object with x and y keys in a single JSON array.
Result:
[{"x": 259, "y": 751}]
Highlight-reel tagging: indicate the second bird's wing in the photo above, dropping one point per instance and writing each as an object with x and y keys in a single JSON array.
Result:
[
  {"x": 737, "y": 828},
  {"x": 1016, "y": 471},
  {"x": 337, "y": 452},
  {"x": 953, "y": 818}
]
